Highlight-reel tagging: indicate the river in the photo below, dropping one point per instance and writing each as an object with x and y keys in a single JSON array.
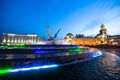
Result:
[{"x": 105, "y": 67}]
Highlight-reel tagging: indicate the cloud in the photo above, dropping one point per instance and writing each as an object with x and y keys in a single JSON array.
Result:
[
  {"x": 113, "y": 26},
  {"x": 87, "y": 19},
  {"x": 110, "y": 17}
]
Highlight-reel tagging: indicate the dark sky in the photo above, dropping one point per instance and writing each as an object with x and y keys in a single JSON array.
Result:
[{"x": 75, "y": 16}]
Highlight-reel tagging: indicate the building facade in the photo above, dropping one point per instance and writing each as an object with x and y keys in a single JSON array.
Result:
[
  {"x": 114, "y": 40},
  {"x": 102, "y": 36},
  {"x": 13, "y": 39},
  {"x": 69, "y": 38},
  {"x": 81, "y": 41},
  {"x": 86, "y": 41}
]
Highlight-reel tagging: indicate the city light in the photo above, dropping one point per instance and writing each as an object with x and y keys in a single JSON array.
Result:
[
  {"x": 33, "y": 68},
  {"x": 44, "y": 51},
  {"x": 4, "y": 71},
  {"x": 9, "y": 70},
  {"x": 22, "y": 45},
  {"x": 76, "y": 50},
  {"x": 55, "y": 50}
]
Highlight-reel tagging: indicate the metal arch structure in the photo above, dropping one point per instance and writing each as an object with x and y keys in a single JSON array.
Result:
[
  {"x": 50, "y": 37},
  {"x": 47, "y": 30},
  {"x": 56, "y": 34}
]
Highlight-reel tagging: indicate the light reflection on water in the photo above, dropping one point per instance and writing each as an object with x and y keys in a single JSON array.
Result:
[
  {"x": 110, "y": 63},
  {"x": 106, "y": 67}
]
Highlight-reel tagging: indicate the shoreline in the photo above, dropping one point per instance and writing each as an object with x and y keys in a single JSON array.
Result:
[
  {"x": 108, "y": 49},
  {"x": 113, "y": 51}
]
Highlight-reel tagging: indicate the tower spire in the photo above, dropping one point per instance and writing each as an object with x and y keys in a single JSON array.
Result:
[{"x": 102, "y": 27}]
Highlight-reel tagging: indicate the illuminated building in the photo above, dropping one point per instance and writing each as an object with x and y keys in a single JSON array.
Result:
[
  {"x": 114, "y": 40},
  {"x": 70, "y": 38},
  {"x": 81, "y": 41},
  {"x": 13, "y": 39},
  {"x": 86, "y": 41},
  {"x": 62, "y": 42},
  {"x": 102, "y": 36}
]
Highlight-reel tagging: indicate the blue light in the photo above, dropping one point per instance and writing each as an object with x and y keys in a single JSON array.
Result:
[
  {"x": 99, "y": 53},
  {"x": 38, "y": 51},
  {"x": 33, "y": 68},
  {"x": 44, "y": 51}
]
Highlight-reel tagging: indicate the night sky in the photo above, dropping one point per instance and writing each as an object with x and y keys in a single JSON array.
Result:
[{"x": 72, "y": 16}]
